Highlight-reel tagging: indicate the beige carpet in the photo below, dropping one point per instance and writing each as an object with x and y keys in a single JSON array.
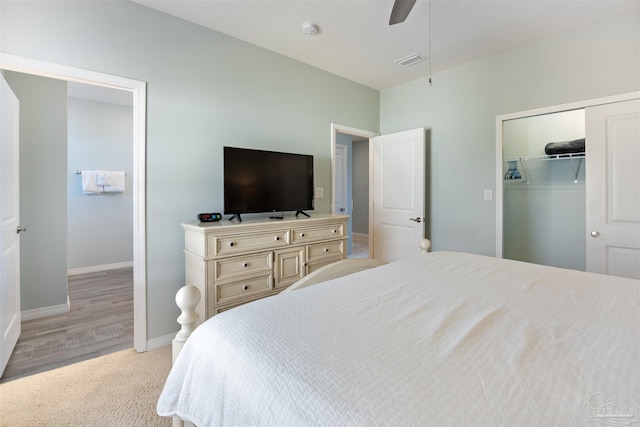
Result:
[{"x": 119, "y": 389}]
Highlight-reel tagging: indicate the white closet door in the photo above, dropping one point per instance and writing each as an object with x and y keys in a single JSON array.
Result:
[{"x": 613, "y": 188}]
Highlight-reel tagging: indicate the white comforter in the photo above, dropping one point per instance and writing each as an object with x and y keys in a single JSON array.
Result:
[{"x": 440, "y": 339}]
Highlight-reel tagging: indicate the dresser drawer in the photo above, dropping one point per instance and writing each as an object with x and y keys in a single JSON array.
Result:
[
  {"x": 217, "y": 309},
  {"x": 223, "y": 245},
  {"x": 250, "y": 287},
  {"x": 323, "y": 250},
  {"x": 312, "y": 234},
  {"x": 311, "y": 267},
  {"x": 243, "y": 264}
]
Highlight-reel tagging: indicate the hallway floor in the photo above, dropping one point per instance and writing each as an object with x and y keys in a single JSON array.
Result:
[
  {"x": 100, "y": 322},
  {"x": 359, "y": 245}
]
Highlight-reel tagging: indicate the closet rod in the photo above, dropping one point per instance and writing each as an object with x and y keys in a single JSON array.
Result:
[{"x": 79, "y": 172}]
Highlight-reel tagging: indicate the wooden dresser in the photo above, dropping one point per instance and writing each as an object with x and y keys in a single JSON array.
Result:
[{"x": 235, "y": 263}]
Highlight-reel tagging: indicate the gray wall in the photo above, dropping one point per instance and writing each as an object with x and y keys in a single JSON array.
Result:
[
  {"x": 204, "y": 90},
  {"x": 360, "y": 162},
  {"x": 100, "y": 227},
  {"x": 346, "y": 140},
  {"x": 43, "y": 204},
  {"x": 460, "y": 111}
]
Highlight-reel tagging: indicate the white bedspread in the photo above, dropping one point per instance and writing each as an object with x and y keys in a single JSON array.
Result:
[{"x": 439, "y": 339}]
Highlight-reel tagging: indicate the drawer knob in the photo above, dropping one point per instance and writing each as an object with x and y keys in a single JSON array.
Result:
[
  {"x": 231, "y": 244},
  {"x": 245, "y": 287},
  {"x": 326, "y": 249},
  {"x": 245, "y": 265},
  {"x": 277, "y": 238},
  {"x": 301, "y": 234},
  {"x": 335, "y": 231}
]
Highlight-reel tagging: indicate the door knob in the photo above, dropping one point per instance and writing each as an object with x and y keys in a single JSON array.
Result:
[
  {"x": 594, "y": 233},
  {"x": 418, "y": 219},
  {"x": 341, "y": 209},
  {"x": 20, "y": 229}
]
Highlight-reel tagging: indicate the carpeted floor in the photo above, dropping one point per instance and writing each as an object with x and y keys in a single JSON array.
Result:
[{"x": 119, "y": 389}]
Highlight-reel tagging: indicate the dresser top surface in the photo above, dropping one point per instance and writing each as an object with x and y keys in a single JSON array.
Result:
[{"x": 288, "y": 221}]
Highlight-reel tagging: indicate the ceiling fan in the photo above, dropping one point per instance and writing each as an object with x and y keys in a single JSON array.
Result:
[{"x": 400, "y": 11}]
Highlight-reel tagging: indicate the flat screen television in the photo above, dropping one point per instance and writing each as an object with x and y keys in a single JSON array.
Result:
[{"x": 257, "y": 181}]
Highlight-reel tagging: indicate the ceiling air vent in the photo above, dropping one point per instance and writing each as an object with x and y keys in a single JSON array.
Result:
[{"x": 414, "y": 58}]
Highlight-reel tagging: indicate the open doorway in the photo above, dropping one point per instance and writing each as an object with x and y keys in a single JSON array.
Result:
[
  {"x": 351, "y": 194},
  {"x": 76, "y": 303},
  {"x": 137, "y": 90}
]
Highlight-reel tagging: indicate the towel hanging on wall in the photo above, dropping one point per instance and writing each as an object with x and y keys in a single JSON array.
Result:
[
  {"x": 102, "y": 181},
  {"x": 89, "y": 185},
  {"x": 113, "y": 181}
]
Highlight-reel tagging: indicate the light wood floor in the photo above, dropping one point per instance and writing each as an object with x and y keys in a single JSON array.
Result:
[
  {"x": 100, "y": 322},
  {"x": 359, "y": 245}
]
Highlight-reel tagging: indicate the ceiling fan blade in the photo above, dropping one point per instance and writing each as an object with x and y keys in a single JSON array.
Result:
[{"x": 400, "y": 11}]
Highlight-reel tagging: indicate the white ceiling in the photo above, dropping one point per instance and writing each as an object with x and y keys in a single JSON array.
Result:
[{"x": 356, "y": 42}]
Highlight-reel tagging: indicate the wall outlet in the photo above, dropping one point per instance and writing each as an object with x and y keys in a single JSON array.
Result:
[
  {"x": 488, "y": 195},
  {"x": 319, "y": 192}
]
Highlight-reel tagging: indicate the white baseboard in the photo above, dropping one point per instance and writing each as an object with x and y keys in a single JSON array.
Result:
[
  {"x": 360, "y": 234},
  {"x": 98, "y": 268},
  {"x": 159, "y": 342},
  {"x": 37, "y": 313}
]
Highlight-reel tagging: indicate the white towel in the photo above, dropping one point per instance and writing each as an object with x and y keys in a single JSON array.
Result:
[
  {"x": 103, "y": 178},
  {"x": 89, "y": 185},
  {"x": 115, "y": 182}
]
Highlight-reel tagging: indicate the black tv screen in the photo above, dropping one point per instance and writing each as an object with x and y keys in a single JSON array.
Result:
[{"x": 266, "y": 181}]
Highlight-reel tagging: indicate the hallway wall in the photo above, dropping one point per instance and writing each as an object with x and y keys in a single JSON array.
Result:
[
  {"x": 100, "y": 227},
  {"x": 43, "y": 189}
]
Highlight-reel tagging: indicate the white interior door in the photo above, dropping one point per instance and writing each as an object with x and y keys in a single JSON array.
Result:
[
  {"x": 9, "y": 214},
  {"x": 613, "y": 188},
  {"x": 341, "y": 179},
  {"x": 398, "y": 194}
]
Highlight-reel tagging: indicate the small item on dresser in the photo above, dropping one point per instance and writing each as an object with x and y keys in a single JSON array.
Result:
[
  {"x": 209, "y": 217},
  {"x": 565, "y": 147}
]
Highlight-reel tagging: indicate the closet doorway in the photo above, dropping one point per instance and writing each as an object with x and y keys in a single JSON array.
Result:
[
  {"x": 544, "y": 195},
  {"x": 550, "y": 208}
]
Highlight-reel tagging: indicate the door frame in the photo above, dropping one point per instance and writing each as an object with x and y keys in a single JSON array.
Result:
[
  {"x": 139, "y": 91},
  {"x": 338, "y": 128},
  {"x": 530, "y": 113}
]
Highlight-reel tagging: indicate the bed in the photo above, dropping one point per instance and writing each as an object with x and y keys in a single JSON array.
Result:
[{"x": 443, "y": 338}]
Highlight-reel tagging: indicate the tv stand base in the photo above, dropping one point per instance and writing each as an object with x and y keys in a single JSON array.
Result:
[
  {"x": 234, "y": 216},
  {"x": 303, "y": 213}
]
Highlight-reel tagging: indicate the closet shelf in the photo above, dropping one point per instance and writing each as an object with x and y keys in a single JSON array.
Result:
[
  {"x": 548, "y": 157},
  {"x": 513, "y": 174}
]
